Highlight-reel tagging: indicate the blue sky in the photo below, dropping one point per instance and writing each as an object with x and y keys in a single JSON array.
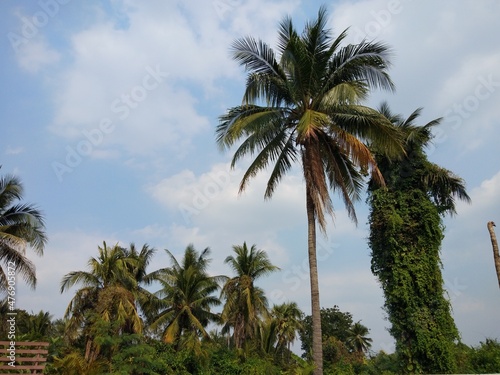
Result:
[{"x": 108, "y": 111}]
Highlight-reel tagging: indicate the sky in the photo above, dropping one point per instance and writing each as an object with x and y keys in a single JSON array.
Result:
[{"x": 108, "y": 111}]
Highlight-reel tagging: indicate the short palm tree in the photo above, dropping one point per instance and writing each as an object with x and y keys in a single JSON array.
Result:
[
  {"x": 186, "y": 297},
  {"x": 288, "y": 319},
  {"x": 108, "y": 294},
  {"x": 303, "y": 105},
  {"x": 245, "y": 303},
  {"x": 357, "y": 338},
  {"x": 21, "y": 225},
  {"x": 37, "y": 327}
]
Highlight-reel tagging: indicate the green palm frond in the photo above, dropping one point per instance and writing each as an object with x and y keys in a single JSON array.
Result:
[{"x": 21, "y": 226}]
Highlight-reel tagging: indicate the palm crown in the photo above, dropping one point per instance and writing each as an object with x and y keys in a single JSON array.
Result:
[
  {"x": 311, "y": 111},
  {"x": 20, "y": 225}
]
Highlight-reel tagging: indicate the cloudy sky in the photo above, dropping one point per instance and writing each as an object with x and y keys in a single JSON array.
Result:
[{"x": 108, "y": 111}]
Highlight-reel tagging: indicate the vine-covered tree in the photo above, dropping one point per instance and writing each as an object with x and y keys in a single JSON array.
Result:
[
  {"x": 406, "y": 231},
  {"x": 302, "y": 105}
]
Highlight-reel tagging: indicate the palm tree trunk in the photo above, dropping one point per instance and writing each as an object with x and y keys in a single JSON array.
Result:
[
  {"x": 317, "y": 345},
  {"x": 494, "y": 244}
]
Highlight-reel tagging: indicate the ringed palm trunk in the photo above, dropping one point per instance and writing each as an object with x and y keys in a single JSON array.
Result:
[
  {"x": 317, "y": 345},
  {"x": 494, "y": 244}
]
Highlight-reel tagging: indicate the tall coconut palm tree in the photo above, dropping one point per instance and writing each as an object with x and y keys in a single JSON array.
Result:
[
  {"x": 186, "y": 297},
  {"x": 21, "y": 225},
  {"x": 245, "y": 303},
  {"x": 302, "y": 104}
]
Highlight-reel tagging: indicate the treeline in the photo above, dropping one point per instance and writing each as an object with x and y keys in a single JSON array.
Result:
[
  {"x": 124, "y": 319},
  {"x": 180, "y": 319}
]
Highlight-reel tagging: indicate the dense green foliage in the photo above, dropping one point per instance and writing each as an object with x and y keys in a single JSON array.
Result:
[
  {"x": 114, "y": 325},
  {"x": 267, "y": 352},
  {"x": 406, "y": 231},
  {"x": 344, "y": 343},
  {"x": 405, "y": 244},
  {"x": 334, "y": 323}
]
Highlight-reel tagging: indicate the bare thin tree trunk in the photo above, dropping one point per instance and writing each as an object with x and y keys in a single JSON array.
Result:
[
  {"x": 317, "y": 345},
  {"x": 494, "y": 244}
]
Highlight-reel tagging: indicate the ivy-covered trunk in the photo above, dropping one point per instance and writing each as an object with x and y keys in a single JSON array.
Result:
[{"x": 405, "y": 238}]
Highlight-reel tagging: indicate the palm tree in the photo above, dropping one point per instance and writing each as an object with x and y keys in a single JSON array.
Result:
[
  {"x": 142, "y": 259},
  {"x": 37, "y": 327},
  {"x": 20, "y": 225},
  {"x": 358, "y": 339},
  {"x": 186, "y": 297},
  {"x": 245, "y": 303},
  {"x": 303, "y": 105},
  {"x": 108, "y": 294},
  {"x": 442, "y": 185},
  {"x": 494, "y": 244},
  {"x": 288, "y": 319}
]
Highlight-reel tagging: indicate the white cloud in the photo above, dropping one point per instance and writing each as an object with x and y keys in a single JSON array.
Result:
[
  {"x": 14, "y": 150},
  {"x": 35, "y": 55}
]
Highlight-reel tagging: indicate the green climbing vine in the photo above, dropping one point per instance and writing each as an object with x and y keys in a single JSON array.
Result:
[{"x": 406, "y": 232}]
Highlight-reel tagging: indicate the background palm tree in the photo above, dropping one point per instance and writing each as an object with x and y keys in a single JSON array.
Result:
[
  {"x": 358, "y": 339},
  {"x": 37, "y": 327},
  {"x": 302, "y": 105},
  {"x": 138, "y": 269},
  {"x": 245, "y": 303},
  {"x": 288, "y": 319},
  {"x": 21, "y": 225},
  {"x": 414, "y": 170},
  {"x": 108, "y": 294},
  {"x": 186, "y": 298}
]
